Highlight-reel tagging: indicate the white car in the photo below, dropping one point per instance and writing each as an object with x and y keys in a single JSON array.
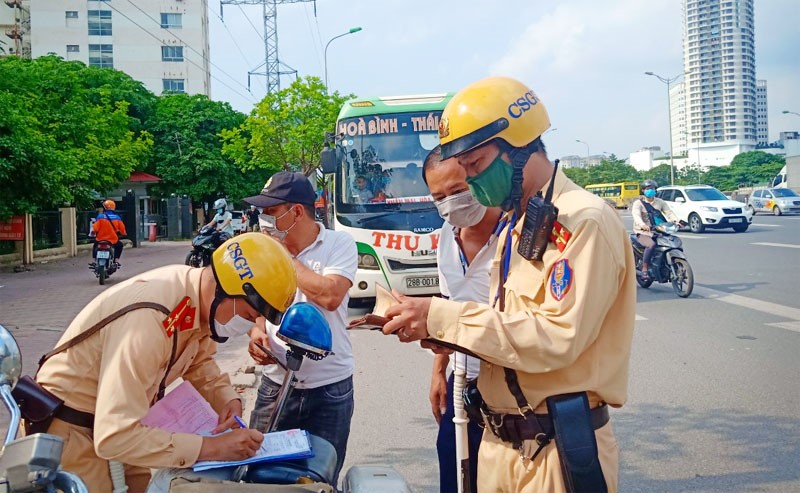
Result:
[{"x": 704, "y": 207}]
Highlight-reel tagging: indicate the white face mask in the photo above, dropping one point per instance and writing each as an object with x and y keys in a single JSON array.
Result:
[
  {"x": 268, "y": 224},
  {"x": 236, "y": 326},
  {"x": 461, "y": 210}
]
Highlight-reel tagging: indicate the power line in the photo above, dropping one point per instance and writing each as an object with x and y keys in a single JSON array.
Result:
[
  {"x": 185, "y": 44},
  {"x": 233, "y": 38},
  {"x": 311, "y": 30},
  {"x": 260, "y": 36}
]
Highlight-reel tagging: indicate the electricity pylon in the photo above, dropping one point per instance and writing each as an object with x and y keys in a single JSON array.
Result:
[{"x": 272, "y": 63}]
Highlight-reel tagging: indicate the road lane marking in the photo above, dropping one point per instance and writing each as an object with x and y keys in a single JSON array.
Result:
[
  {"x": 639, "y": 317},
  {"x": 768, "y": 225},
  {"x": 770, "y": 308},
  {"x": 782, "y": 245},
  {"x": 693, "y": 237},
  {"x": 794, "y": 326}
]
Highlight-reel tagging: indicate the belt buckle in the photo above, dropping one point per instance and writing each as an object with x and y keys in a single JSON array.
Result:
[
  {"x": 523, "y": 410},
  {"x": 489, "y": 422}
]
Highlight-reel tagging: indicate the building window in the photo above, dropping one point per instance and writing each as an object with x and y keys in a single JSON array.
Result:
[
  {"x": 172, "y": 53},
  {"x": 99, "y": 22},
  {"x": 101, "y": 56},
  {"x": 175, "y": 86},
  {"x": 171, "y": 21},
  {"x": 73, "y": 49},
  {"x": 72, "y": 14}
]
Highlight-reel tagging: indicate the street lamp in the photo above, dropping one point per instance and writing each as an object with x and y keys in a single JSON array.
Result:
[
  {"x": 668, "y": 81},
  {"x": 587, "y": 146},
  {"x": 351, "y": 31},
  {"x": 787, "y": 112},
  {"x": 549, "y": 130}
]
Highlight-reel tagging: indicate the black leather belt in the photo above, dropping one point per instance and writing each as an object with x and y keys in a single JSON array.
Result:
[
  {"x": 75, "y": 417},
  {"x": 516, "y": 428}
]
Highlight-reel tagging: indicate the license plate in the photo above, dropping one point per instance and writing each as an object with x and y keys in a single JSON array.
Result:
[
  {"x": 103, "y": 254},
  {"x": 422, "y": 282},
  {"x": 735, "y": 220}
]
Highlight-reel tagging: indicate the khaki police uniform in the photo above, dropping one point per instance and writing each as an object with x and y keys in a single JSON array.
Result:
[
  {"x": 567, "y": 327},
  {"x": 115, "y": 375}
]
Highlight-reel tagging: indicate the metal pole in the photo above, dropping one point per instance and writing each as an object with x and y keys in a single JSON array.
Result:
[
  {"x": 671, "y": 153},
  {"x": 351, "y": 31}
]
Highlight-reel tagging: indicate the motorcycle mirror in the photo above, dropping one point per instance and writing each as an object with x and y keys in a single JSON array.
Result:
[{"x": 10, "y": 358}]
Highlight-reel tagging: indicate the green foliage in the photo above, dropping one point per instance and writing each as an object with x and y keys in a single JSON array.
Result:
[
  {"x": 661, "y": 174},
  {"x": 286, "y": 130},
  {"x": 66, "y": 131},
  {"x": 187, "y": 150},
  {"x": 610, "y": 170}
]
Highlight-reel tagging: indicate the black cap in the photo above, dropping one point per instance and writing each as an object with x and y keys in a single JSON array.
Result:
[{"x": 283, "y": 187}]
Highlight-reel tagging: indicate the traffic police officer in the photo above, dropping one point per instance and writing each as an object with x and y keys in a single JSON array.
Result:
[
  {"x": 110, "y": 380},
  {"x": 556, "y": 339}
]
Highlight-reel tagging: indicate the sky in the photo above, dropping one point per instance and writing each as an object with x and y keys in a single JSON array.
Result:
[{"x": 585, "y": 59}]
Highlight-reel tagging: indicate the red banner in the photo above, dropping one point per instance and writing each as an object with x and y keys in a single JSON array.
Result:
[{"x": 13, "y": 230}]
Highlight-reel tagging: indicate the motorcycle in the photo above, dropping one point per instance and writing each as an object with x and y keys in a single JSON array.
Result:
[
  {"x": 31, "y": 463},
  {"x": 308, "y": 335},
  {"x": 207, "y": 240},
  {"x": 668, "y": 264},
  {"x": 104, "y": 263}
]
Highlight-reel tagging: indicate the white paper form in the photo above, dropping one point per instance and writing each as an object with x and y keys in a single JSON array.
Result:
[
  {"x": 278, "y": 445},
  {"x": 183, "y": 410}
]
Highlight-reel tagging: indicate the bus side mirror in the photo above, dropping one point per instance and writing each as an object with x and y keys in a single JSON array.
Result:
[{"x": 327, "y": 159}]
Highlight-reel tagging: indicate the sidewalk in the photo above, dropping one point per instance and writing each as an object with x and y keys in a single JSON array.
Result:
[{"x": 38, "y": 305}]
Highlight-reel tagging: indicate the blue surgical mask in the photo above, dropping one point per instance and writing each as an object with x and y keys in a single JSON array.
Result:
[{"x": 649, "y": 193}]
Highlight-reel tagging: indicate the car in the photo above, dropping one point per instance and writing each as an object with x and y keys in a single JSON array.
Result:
[
  {"x": 239, "y": 222},
  {"x": 777, "y": 201},
  {"x": 703, "y": 206}
]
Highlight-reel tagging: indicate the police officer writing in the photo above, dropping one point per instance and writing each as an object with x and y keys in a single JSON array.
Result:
[
  {"x": 142, "y": 335},
  {"x": 555, "y": 340}
]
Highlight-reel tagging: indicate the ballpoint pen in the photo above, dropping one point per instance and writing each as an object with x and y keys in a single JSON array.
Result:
[{"x": 240, "y": 421}]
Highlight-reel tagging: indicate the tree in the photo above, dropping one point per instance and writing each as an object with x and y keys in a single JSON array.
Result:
[
  {"x": 286, "y": 130},
  {"x": 661, "y": 174},
  {"x": 65, "y": 133},
  {"x": 187, "y": 150}
]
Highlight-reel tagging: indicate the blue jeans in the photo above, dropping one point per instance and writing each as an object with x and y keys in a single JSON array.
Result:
[
  {"x": 446, "y": 448},
  {"x": 324, "y": 411}
]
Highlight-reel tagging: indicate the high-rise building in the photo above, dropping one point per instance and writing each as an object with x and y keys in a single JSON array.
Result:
[
  {"x": 762, "y": 122},
  {"x": 720, "y": 81},
  {"x": 161, "y": 43},
  {"x": 677, "y": 111}
]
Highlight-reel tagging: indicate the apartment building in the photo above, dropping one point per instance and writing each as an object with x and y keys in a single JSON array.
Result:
[{"x": 162, "y": 43}]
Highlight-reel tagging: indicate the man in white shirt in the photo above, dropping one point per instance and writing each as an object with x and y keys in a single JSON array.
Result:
[
  {"x": 326, "y": 263},
  {"x": 464, "y": 257}
]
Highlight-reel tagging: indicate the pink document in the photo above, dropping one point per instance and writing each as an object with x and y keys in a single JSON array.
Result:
[{"x": 183, "y": 410}]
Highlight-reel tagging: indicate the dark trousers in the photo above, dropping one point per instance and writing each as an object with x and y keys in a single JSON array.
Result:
[
  {"x": 324, "y": 411},
  {"x": 649, "y": 247},
  {"x": 446, "y": 448}
]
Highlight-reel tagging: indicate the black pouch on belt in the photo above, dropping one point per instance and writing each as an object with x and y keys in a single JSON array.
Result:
[
  {"x": 576, "y": 443},
  {"x": 473, "y": 401},
  {"x": 36, "y": 404}
]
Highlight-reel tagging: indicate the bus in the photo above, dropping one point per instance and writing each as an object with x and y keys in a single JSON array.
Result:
[
  {"x": 378, "y": 194},
  {"x": 620, "y": 194}
]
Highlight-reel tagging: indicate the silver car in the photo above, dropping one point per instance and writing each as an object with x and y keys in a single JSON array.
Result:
[{"x": 777, "y": 201}]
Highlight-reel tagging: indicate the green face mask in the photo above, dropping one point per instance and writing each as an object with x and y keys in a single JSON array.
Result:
[{"x": 493, "y": 185}]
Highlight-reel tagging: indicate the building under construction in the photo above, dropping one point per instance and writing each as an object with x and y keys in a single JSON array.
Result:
[{"x": 15, "y": 28}]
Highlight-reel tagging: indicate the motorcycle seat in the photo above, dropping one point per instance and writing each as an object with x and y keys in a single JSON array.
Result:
[{"x": 321, "y": 468}]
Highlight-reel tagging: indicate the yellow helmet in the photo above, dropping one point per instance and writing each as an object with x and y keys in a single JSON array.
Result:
[
  {"x": 259, "y": 269},
  {"x": 495, "y": 107}
]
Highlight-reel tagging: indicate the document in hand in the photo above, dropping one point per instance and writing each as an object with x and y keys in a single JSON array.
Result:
[
  {"x": 183, "y": 410},
  {"x": 384, "y": 299},
  {"x": 278, "y": 445}
]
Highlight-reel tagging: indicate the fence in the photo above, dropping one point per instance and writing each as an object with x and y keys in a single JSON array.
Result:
[{"x": 47, "y": 230}]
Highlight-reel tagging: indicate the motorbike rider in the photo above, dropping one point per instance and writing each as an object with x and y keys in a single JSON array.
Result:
[
  {"x": 133, "y": 357},
  {"x": 222, "y": 219},
  {"x": 644, "y": 221},
  {"x": 108, "y": 226}
]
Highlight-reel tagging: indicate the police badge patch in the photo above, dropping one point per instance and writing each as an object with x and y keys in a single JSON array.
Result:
[{"x": 560, "y": 279}]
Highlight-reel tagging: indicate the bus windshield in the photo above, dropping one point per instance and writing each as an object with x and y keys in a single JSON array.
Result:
[{"x": 383, "y": 159}]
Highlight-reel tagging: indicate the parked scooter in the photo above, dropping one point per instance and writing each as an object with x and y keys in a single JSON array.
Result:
[
  {"x": 32, "y": 463},
  {"x": 308, "y": 335},
  {"x": 104, "y": 263},
  {"x": 668, "y": 263},
  {"x": 204, "y": 244}
]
